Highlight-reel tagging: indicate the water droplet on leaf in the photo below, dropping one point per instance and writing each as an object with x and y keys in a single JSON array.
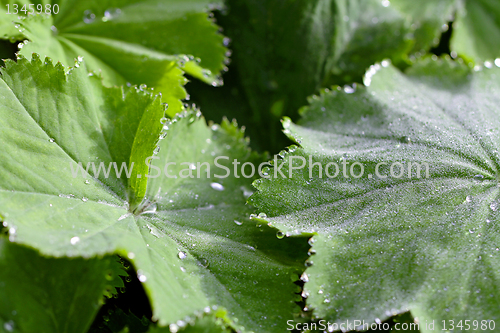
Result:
[
  {"x": 217, "y": 186},
  {"x": 204, "y": 262},
  {"x": 88, "y": 16},
  {"x": 9, "y": 326}
]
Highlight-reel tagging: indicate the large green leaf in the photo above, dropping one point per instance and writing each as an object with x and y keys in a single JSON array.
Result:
[
  {"x": 39, "y": 294},
  {"x": 387, "y": 245},
  {"x": 477, "y": 30},
  {"x": 133, "y": 41},
  {"x": 189, "y": 239}
]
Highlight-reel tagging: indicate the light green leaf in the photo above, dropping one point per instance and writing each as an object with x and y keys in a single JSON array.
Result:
[
  {"x": 134, "y": 42},
  {"x": 48, "y": 295},
  {"x": 189, "y": 239},
  {"x": 477, "y": 30},
  {"x": 10, "y": 10},
  {"x": 388, "y": 245}
]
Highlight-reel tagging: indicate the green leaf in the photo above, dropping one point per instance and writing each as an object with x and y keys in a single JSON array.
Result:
[
  {"x": 134, "y": 42},
  {"x": 285, "y": 51},
  {"x": 477, "y": 30},
  {"x": 190, "y": 239},
  {"x": 10, "y": 10},
  {"x": 429, "y": 19},
  {"x": 39, "y": 294},
  {"x": 388, "y": 245}
]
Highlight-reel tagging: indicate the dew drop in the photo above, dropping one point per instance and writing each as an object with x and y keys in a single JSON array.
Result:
[
  {"x": 192, "y": 119},
  {"x": 142, "y": 277},
  {"x": 280, "y": 235},
  {"x": 88, "y": 16},
  {"x": 478, "y": 177},
  {"x": 154, "y": 230},
  {"x": 51, "y": 140},
  {"x": 111, "y": 13},
  {"x": 74, "y": 240},
  {"x": 12, "y": 234},
  {"x": 238, "y": 222},
  {"x": 468, "y": 198},
  {"x": 204, "y": 262},
  {"x": 9, "y": 326},
  {"x": 405, "y": 139},
  {"x": 386, "y": 3},
  {"x": 217, "y": 186},
  {"x": 182, "y": 255},
  {"x": 349, "y": 89},
  {"x": 497, "y": 62}
]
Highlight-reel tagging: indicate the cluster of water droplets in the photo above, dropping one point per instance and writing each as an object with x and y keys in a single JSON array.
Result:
[
  {"x": 181, "y": 324},
  {"x": 109, "y": 14},
  {"x": 12, "y": 231},
  {"x": 487, "y": 64}
]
